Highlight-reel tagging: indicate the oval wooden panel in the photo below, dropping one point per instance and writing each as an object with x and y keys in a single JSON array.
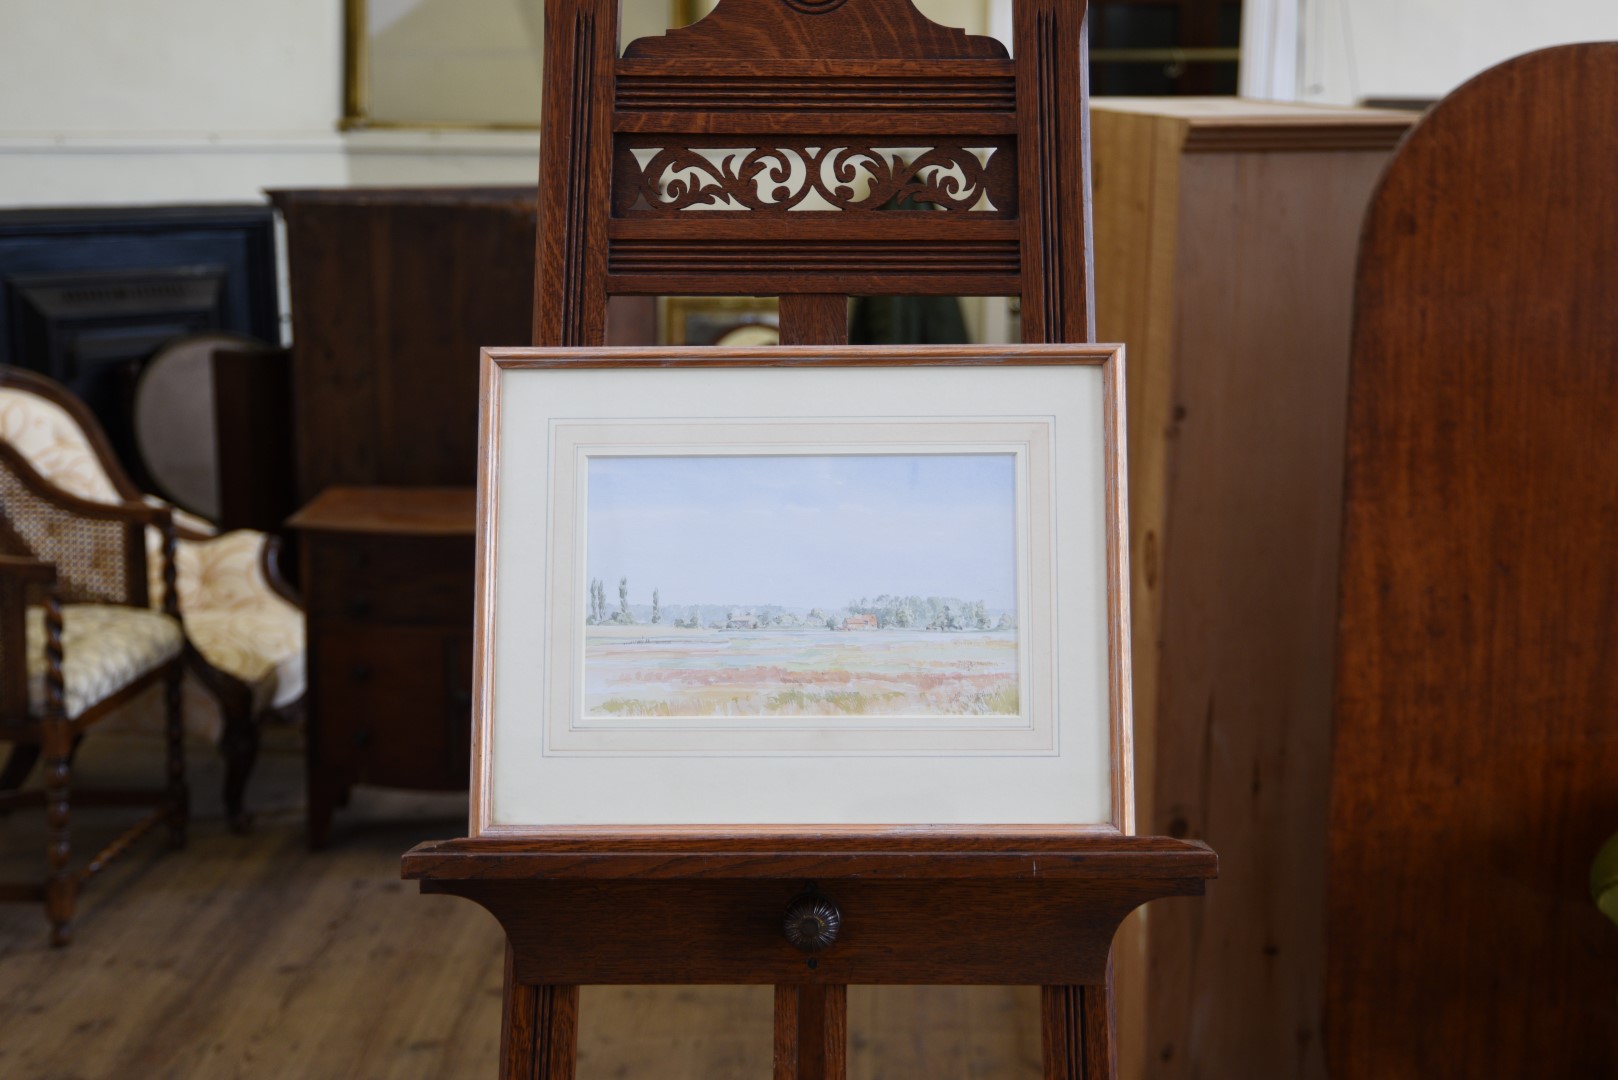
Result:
[{"x": 1476, "y": 768}]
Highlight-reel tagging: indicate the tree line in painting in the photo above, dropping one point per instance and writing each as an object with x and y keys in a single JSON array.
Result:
[{"x": 880, "y": 613}]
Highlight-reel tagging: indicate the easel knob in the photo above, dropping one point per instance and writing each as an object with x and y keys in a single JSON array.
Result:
[{"x": 812, "y": 922}]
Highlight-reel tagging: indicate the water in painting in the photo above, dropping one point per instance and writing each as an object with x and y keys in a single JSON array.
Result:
[{"x": 828, "y": 585}]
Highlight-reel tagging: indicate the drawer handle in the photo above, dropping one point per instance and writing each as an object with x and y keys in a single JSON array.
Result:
[
  {"x": 359, "y": 607},
  {"x": 360, "y": 672},
  {"x": 362, "y": 737},
  {"x": 812, "y": 922}
]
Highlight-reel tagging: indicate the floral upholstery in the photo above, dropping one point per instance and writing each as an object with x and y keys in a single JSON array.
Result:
[
  {"x": 105, "y": 647},
  {"x": 237, "y": 620},
  {"x": 54, "y": 444},
  {"x": 233, "y": 617}
]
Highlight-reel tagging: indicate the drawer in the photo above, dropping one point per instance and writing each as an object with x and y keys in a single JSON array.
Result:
[
  {"x": 392, "y": 705},
  {"x": 390, "y": 579}
]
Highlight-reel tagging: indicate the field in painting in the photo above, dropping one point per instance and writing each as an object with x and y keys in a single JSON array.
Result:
[{"x": 655, "y": 671}]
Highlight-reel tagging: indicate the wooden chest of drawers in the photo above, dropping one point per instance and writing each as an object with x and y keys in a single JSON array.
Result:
[{"x": 388, "y": 585}]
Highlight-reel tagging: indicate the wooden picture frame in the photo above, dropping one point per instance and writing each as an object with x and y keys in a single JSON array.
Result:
[{"x": 544, "y": 409}]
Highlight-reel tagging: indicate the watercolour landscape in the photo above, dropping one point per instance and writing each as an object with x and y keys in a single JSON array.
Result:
[{"x": 801, "y": 585}]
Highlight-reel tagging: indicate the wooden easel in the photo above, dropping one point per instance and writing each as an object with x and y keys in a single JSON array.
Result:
[{"x": 819, "y": 82}]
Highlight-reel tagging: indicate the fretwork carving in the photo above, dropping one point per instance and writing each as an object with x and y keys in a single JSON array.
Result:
[{"x": 652, "y": 178}]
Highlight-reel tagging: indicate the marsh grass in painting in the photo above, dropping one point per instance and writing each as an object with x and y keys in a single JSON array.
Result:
[{"x": 877, "y": 585}]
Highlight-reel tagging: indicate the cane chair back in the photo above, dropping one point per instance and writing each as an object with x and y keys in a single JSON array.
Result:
[{"x": 100, "y": 557}]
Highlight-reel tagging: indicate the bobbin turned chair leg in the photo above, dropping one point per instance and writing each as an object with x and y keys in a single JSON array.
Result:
[
  {"x": 56, "y": 739},
  {"x": 61, "y": 888},
  {"x": 178, "y": 795}
]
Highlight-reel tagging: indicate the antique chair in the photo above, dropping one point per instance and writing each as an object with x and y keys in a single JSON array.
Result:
[
  {"x": 244, "y": 628},
  {"x": 78, "y": 639}
]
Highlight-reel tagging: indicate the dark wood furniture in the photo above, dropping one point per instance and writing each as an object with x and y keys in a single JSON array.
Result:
[
  {"x": 815, "y": 80},
  {"x": 58, "y": 550},
  {"x": 252, "y": 389},
  {"x": 394, "y": 290},
  {"x": 1226, "y": 233},
  {"x": 1475, "y": 769},
  {"x": 388, "y": 581}
]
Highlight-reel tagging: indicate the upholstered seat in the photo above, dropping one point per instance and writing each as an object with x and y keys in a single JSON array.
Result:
[{"x": 105, "y": 647}]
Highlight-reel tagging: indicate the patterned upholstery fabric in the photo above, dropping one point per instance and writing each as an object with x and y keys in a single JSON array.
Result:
[
  {"x": 52, "y": 441},
  {"x": 232, "y": 615},
  {"x": 105, "y": 647},
  {"x": 237, "y": 620}
]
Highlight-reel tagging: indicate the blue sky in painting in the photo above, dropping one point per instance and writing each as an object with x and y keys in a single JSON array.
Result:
[{"x": 804, "y": 531}]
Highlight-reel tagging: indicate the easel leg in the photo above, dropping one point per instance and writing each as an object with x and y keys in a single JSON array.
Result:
[
  {"x": 811, "y": 1032},
  {"x": 539, "y": 1035},
  {"x": 1079, "y": 1032}
]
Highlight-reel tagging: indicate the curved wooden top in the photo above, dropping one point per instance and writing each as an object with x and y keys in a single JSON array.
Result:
[
  {"x": 817, "y": 30},
  {"x": 1476, "y": 755}
]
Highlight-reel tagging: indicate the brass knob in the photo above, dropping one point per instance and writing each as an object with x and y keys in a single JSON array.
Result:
[{"x": 812, "y": 922}]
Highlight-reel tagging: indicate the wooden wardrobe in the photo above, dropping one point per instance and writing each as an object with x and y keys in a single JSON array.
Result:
[{"x": 1226, "y": 233}]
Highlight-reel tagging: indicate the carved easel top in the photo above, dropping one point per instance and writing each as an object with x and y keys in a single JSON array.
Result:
[
  {"x": 816, "y": 30},
  {"x": 813, "y": 148}
]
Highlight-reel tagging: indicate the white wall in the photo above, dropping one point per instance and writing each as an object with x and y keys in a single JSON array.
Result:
[
  {"x": 1354, "y": 49},
  {"x": 176, "y": 66},
  {"x": 147, "y": 101},
  {"x": 179, "y": 101}
]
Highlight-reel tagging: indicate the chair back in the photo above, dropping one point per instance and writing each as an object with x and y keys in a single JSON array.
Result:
[
  {"x": 175, "y": 425},
  {"x": 99, "y": 550},
  {"x": 57, "y": 435}
]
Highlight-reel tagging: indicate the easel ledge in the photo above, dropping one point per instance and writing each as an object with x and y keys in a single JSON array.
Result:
[
  {"x": 606, "y": 854},
  {"x": 1035, "y": 908}
]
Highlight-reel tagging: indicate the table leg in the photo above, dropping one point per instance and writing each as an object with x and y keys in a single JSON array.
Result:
[
  {"x": 539, "y": 1034},
  {"x": 811, "y": 1033}
]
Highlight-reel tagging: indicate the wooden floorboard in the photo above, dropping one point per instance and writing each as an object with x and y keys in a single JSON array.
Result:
[{"x": 249, "y": 957}]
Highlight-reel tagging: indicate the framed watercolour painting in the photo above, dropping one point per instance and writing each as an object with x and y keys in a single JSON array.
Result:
[{"x": 793, "y": 588}]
